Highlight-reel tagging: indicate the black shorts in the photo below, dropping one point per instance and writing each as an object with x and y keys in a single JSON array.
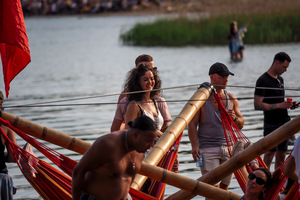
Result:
[
  {"x": 282, "y": 146},
  {"x": 85, "y": 196}
]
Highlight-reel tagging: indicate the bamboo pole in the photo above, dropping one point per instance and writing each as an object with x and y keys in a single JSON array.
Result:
[
  {"x": 258, "y": 148},
  {"x": 47, "y": 134},
  {"x": 146, "y": 169},
  {"x": 174, "y": 130},
  {"x": 191, "y": 185}
]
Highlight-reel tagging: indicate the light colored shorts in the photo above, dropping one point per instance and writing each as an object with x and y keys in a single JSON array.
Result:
[{"x": 212, "y": 158}]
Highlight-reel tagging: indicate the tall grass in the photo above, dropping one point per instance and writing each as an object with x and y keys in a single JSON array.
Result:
[{"x": 263, "y": 29}]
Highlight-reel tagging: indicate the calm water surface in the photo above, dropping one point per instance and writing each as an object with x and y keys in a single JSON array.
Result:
[{"x": 75, "y": 57}]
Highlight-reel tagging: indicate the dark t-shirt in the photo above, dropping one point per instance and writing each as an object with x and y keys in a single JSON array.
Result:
[{"x": 277, "y": 116}]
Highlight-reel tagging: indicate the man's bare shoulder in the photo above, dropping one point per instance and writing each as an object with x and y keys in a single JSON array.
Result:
[
  {"x": 107, "y": 142},
  {"x": 232, "y": 97}
]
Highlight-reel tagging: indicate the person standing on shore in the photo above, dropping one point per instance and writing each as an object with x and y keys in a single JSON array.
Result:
[
  {"x": 108, "y": 168},
  {"x": 205, "y": 130},
  {"x": 269, "y": 97}
]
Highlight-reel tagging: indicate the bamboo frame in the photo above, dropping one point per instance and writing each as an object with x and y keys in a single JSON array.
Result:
[
  {"x": 191, "y": 185},
  {"x": 153, "y": 158},
  {"x": 148, "y": 170},
  {"x": 174, "y": 130},
  {"x": 47, "y": 134},
  {"x": 282, "y": 133},
  {"x": 258, "y": 148}
]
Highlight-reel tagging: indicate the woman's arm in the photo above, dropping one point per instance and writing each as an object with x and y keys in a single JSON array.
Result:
[
  {"x": 164, "y": 126},
  {"x": 132, "y": 112}
]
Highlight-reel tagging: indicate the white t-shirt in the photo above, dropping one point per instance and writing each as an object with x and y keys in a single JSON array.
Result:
[{"x": 296, "y": 155}]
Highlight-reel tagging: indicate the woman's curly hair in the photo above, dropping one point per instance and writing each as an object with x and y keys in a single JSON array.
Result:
[{"x": 132, "y": 83}]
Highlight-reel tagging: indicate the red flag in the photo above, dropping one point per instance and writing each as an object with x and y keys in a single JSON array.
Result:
[{"x": 14, "y": 47}]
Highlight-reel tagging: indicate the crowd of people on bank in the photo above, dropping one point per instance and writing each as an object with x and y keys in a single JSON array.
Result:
[
  {"x": 55, "y": 7},
  {"x": 143, "y": 115}
]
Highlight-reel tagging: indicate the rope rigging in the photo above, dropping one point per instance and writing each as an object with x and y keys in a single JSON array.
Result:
[{"x": 51, "y": 103}]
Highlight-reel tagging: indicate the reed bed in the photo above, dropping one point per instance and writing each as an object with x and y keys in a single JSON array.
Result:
[{"x": 182, "y": 31}]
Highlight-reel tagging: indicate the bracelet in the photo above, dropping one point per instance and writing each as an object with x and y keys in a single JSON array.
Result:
[{"x": 236, "y": 118}]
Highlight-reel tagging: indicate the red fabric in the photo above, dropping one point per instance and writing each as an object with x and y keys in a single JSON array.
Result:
[
  {"x": 276, "y": 185},
  {"x": 47, "y": 180},
  {"x": 53, "y": 184},
  {"x": 14, "y": 47},
  {"x": 232, "y": 135},
  {"x": 64, "y": 163},
  {"x": 293, "y": 192},
  {"x": 157, "y": 188}
]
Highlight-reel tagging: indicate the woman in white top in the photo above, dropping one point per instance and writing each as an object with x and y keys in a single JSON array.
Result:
[
  {"x": 144, "y": 84},
  {"x": 145, "y": 81}
]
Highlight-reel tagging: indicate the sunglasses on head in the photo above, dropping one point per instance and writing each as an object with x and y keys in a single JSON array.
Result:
[{"x": 259, "y": 180}]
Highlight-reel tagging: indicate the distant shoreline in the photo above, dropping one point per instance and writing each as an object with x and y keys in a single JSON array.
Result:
[
  {"x": 206, "y": 8},
  {"x": 125, "y": 13},
  {"x": 109, "y": 14}
]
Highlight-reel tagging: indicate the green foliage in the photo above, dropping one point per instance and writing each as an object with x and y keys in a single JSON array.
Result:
[{"x": 263, "y": 29}]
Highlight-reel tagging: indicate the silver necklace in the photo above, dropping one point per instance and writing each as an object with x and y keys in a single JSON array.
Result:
[{"x": 126, "y": 145}]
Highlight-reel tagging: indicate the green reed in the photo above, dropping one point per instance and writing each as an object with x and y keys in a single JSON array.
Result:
[{"x": 263, "y": 29}]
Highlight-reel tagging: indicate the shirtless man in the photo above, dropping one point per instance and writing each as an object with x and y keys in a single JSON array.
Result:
[{"x": 108, "y": 168}]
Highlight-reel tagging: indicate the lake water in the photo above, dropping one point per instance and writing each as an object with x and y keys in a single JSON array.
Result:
[{"x": 76, "y": 57}]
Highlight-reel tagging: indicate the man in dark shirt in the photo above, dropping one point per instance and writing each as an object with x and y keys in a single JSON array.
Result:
[{"x": 269, "y": 97}]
